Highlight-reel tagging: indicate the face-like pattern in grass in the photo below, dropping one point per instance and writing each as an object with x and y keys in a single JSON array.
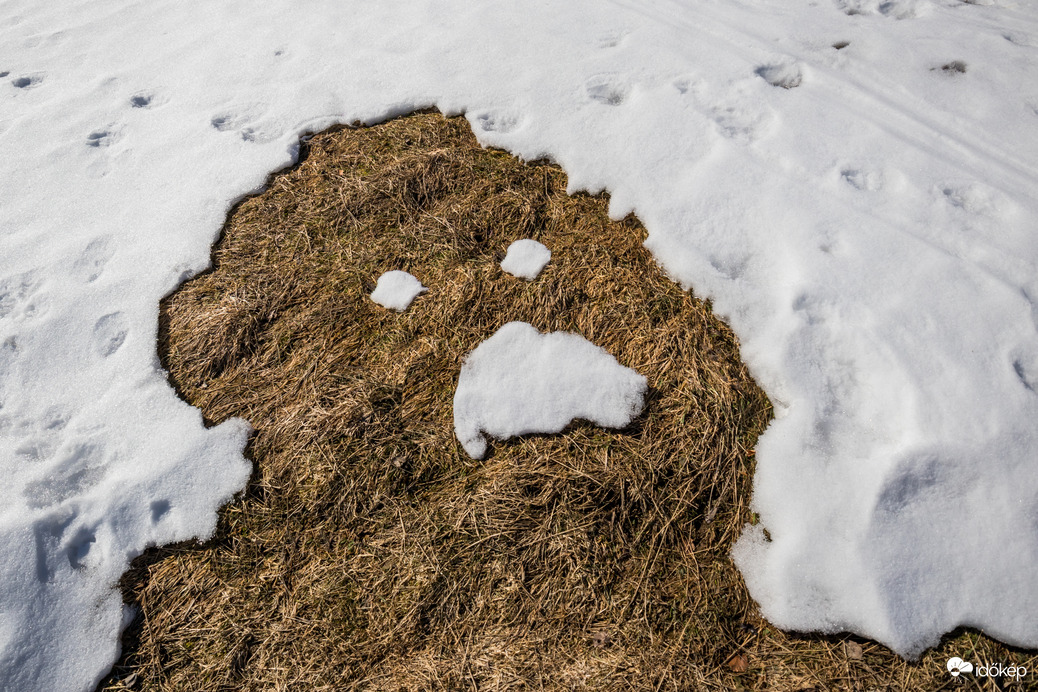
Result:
[{"x": 369, "y": 546}]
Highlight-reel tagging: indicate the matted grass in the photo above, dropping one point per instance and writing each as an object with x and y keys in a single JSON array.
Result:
[{"x": 369, "y": 552}]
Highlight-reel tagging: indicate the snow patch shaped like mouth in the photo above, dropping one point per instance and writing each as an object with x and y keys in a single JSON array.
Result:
[{"x": 520, "y": 381}]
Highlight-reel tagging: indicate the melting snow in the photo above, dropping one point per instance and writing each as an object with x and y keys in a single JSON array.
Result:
[
  {"x": 863, "y": 217},
  {"x": 520, "y": 381},
  {"x": 525, "y": 259},
  {"x": 396, "y": 289}
]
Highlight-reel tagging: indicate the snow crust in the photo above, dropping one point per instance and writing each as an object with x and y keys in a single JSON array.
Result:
[
  {"x": 869, "y": 232},
  {"x": 525, "y": 259},
  {"x": 520, "y": 382},
  {"x": 395, "y": 290}
]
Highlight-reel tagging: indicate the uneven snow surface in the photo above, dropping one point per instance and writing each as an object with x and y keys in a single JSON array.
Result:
[
  {"x": 396, "y": 289},
  {"x": 853, "y": 183},
  {"x": 525, "y": 259},
  {"x": 520, "y": 381}
]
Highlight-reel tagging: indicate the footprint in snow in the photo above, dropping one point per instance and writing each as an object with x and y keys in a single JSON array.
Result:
[
  {"x": 897, "y": 9},
  {"x": 63, "y": 543},
  {"x": 1026, "y": 369},
  {"x": 109, "y": 333},
  {"x": 80, "y": 467},
  {"x": 973, "y": 198},
  {"x": 92, "y": 260},
  {"x": 100, "y": 138},
  {"x": 785, "y": 75},
  {"x": 492, "y": 121},
  {"x": 26, "y": 81},
  {"x": 243, "y": 122},
  {"x": 159, "y": 509},
  {"x": 16, "y": 294},
  {"x": 612, "y": 40},
  {"x": 141, "y": 99},
  {"x": 606, "y": 89},
  {"x": 864, "y": 180},
  {"x": 955, "y": 67}
]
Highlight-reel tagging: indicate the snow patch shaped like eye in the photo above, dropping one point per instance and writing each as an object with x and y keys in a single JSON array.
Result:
[
  {"x": 396, "y": 289},
  {"x": 525, "y": 259}
]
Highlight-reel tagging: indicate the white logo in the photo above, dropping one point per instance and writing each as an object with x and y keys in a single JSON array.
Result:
[{"x": 956, "y": 665}]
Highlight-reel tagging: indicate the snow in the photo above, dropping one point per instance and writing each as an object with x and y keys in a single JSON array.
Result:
[
  {"x": 863, "y": 217},
  {"x": 525, "y": 259},
  {"x": 395, "y": 290},
  {"x": 520, "y": 382}
]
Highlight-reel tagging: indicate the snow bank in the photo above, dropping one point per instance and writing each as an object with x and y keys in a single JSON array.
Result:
[
  {"x": 520, "y": 382},
  {"x": 863, "y": 217},
  {"x": 525, "y": 259},
  {"x": 395, "y": 290}
]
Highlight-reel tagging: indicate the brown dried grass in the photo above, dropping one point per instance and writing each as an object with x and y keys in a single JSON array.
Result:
[{"x": 369, "y": 552}]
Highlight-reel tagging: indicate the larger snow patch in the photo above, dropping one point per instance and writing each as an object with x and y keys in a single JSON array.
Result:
[{"x": 520, "y": 381}]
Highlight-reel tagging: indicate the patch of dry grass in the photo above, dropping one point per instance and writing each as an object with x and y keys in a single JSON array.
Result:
[{"x": 369, "y": 552}]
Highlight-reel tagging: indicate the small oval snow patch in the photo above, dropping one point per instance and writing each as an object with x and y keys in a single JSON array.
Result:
[
  {"x": 520, "y": 381},
  {"x": 396, "y": 289},
  {"x": 525, "y": 259}
]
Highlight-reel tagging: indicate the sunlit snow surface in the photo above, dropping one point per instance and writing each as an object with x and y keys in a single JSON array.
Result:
[
  {"x": 396, "y": 289},
  {"x": 869, "y": 232},
  {"x": 520, "y": 381},
  {"x": 525, "y": 259}
]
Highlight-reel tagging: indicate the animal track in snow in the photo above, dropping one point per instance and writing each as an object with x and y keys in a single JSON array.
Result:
[
  {"x": 731, "y": 266},
  {"x": 16, "y": 294},
  {"x": 897, "y": 9},
  {"x": 159, "y": 509},
  {"x": 866, "y": 181},
  {"x": 244, "y": 122},
  {"x": 81, "y": 467},
  {"x": 953, "y": 68},
  {"x": 78, "y": 550},
  {"x": 109, "y": 333},
  {"x": 1022, "y": 40},
  {"x": 92, "y": 261},
  {"x": 612, "y": 40},
  {"x": 1026, "y": 369},
  {"x": 100, "y": 138},
  {"x": 27, "y": 81},
  {"x": 785, "y": 75},
  {"x": 840, "y": 45},
  {"x": 972, "y": 198},
  {"x": 4, "y": 74},
  {"x": 683, "y": 85},
  {"x": 62, "y": 545},
  {"x": 141, "y": 100},
  {"x": 492, "y": 121},
  {"x": 36, "y": 449},
  {"x": 606, "y": 89},
  {"x": 738, "y": 123},
  {"x": 48, "y": 533}
]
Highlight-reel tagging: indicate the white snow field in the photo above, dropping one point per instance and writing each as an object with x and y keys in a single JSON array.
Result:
[
  {"x": 525, "y": 259},
  {"x": 853, "y": 183},
  {"x": 520, "y": 381},
  {"x": 395, "y": 290}
]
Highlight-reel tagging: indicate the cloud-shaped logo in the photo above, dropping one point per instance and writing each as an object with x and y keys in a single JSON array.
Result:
[{"x": 956, "y": 665}]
